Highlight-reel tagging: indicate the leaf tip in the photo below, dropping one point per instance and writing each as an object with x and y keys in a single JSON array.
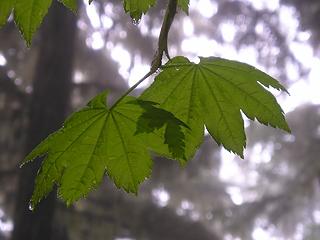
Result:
[
  {"x": 284, "y": 126},
  {"x": 33, "y": 203},
  {"x": 28, "y": 42},
  {"x": 68, "y": 203},
  {"x": 23, "y": 163},
  {"x": 286, "y": 91},
  {"x": 287, "y": 129},
  {"x": 183, "y": 162}
]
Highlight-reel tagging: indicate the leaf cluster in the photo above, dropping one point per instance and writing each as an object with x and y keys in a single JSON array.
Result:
[
  {"x": 168, "y": 118},
  {"x": 28, "y": 14}
]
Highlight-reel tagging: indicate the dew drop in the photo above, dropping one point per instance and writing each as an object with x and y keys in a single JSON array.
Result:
[
  {"x": 135, "y": 21},
  {"x": 31, "y": 208}
]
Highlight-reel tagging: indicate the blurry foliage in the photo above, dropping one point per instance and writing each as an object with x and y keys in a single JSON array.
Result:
[{"x": 309, "y": 17}]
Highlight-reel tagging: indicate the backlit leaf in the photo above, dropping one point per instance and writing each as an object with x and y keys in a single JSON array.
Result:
[
  {"x": 28, "y": 15},
  {"x": 212, "y": 93},
  {"x": 6, "y": 7},
  {"x": 137, "y": 7},
  {"x": 184, "y": 5},
  {"x": 96, "y": 140},
  {"x": 71, "y": 4}
]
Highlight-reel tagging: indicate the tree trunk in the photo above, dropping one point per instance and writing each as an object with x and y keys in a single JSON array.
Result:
[{"x": 47, "y": 110}]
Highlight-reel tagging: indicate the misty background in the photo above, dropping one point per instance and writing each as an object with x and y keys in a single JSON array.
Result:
[{"x": 273, "y": 194}]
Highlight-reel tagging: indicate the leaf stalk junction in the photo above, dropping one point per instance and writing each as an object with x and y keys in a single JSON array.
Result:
[{"x": 156, "y": 63}]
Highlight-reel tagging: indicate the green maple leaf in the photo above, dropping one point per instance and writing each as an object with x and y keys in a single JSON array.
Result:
[
  {"x": 28, "y": 14},
  {"x": 96, "y": 140},
  {"x": 184, "y": 5},
  {"x": 5, "y": 9},
  {"x": 212, "y": 93},
  {"x": 71, "y": 4},
  {"x": 137, "y": 7}
]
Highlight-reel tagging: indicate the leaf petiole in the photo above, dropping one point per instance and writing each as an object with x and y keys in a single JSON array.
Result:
[{"x": 162, "y": 48}]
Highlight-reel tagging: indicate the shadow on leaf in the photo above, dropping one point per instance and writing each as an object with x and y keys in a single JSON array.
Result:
[{"x": 154, "y": 118}]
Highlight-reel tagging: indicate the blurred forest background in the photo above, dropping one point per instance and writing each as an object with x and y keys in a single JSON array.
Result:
[{"x": 274, "y": 193}]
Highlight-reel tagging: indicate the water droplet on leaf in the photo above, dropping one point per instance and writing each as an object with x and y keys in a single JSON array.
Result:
[
  {"x": 31, "y": 208},
  {"x": 135, "y": 21}
]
